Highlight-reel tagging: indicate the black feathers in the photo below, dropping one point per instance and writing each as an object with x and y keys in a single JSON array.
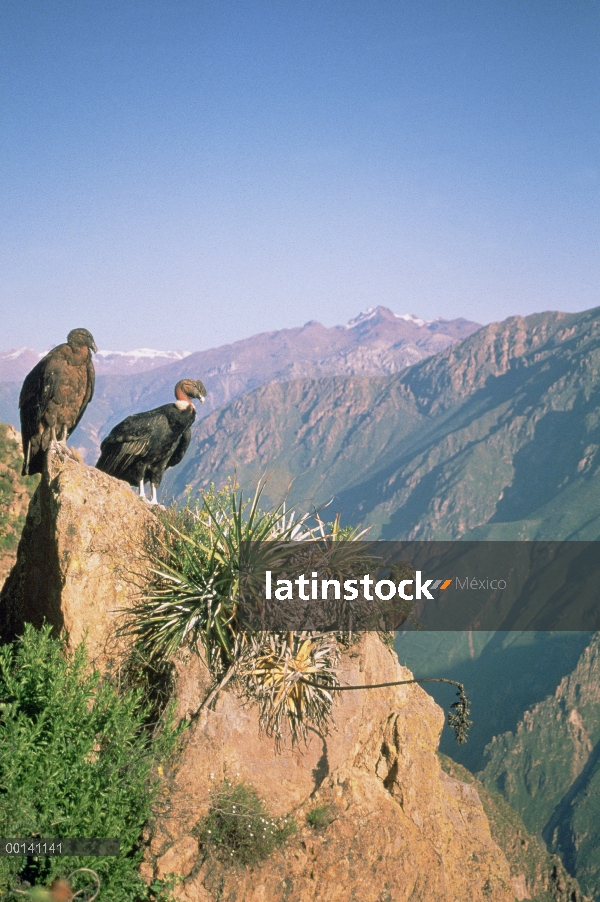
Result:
[{"x": 139, "y": 449}]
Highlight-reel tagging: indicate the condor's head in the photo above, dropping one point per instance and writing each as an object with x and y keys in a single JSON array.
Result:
[
  {"x": 81, "y": 338},
  {"x": 187, "y": 389}
]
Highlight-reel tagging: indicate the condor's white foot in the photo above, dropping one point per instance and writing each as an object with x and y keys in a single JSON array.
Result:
[
  {"x": 63, "y": 439},
  {"x": 54, "y": 444},
  {"x": 142, "y": 490},
  {"x": 59, "y": 447}
]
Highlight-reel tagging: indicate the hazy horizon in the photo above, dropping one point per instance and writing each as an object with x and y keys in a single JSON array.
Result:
[{"x": 360, "y": 316}]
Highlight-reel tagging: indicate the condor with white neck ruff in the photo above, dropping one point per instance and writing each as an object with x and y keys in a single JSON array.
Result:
[{"x": 140, "y": 449}]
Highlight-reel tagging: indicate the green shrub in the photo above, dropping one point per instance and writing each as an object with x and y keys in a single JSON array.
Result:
[
  {"x": 238, "y": 828},
  {"x": 319, "y": 818},
  {"x": 76, "y": 760}
]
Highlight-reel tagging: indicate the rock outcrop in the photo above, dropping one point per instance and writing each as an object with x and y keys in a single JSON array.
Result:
[
  {"x": 15, "y": 495},
  {"x": 82, "y": 559},
  {"x": 401, "y": 829}
]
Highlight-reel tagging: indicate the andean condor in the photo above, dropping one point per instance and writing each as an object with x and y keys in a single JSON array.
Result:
[
  {"x": 54, "y": 397},
  {"x": 140, "y": 449}
]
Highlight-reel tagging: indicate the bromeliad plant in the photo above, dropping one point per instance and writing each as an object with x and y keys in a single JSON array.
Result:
[
  {"x": 278, "y": 670},
  {"x": 201, "y": 572},
  {"x": 207, "y": 563},
  {"x": 213, "y": 559}
]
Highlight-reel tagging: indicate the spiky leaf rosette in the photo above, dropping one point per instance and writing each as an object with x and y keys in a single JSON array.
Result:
[
  {"x": 195, "y": 593},
  {"x": 274, "y": 667}
]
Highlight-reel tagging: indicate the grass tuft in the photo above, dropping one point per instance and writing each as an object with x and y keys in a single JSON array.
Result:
[
  {"x": 319, "y": 818},
  {"x": 238, "y": 829}
]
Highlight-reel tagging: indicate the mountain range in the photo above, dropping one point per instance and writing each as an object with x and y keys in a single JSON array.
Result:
[
  {"x": 374, "y": 343},
  {"x": 496, "y": 437}
]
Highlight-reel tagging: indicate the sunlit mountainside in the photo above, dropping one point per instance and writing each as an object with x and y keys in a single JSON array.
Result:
[{"x": 495, "y": 437}]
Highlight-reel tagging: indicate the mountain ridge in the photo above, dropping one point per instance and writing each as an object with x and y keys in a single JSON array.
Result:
[
  {"x": 466, "y": 443},
  {"x": 17, "y": 362},
  {"x": 548, "y": 769},
  {"x": 380, "y": 343}
]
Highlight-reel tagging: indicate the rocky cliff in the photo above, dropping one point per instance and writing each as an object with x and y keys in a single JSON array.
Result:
[
  {"x": 15, "y": 494},
  {"x": 400, "y": 829},
  {"x": 82, "y": 558}
]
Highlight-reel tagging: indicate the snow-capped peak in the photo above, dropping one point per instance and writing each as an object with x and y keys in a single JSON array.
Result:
[
  {"x": 13, "y": 354},
  {"x": 16, "y": 362},
  {"x": 367, "y": 314},
  {"x": 370, "y": 312},
  {"x": 411, "y": 318},
  {"x": 145, "y": 353}
]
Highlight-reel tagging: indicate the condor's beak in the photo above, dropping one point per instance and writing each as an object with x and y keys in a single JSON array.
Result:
[{"x": 94, "y": 348}]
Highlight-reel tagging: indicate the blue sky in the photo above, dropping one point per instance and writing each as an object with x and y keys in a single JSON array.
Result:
[{"x": 184, "y": 174}]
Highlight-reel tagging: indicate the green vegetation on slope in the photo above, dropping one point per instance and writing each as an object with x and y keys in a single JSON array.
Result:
[
  {"x": 549, "y": 769},
  {"x": 15, "y": 490},
  {"x": 537, "y": 875},
  {"x": 238, "y": 828},
  {"x": 76, "y": 760}
]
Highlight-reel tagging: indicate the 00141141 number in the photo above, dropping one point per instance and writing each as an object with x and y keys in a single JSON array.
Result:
[{"x": 35, "y": 847}]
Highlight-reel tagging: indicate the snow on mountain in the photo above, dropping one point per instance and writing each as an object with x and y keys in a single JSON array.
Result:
[
  {"x": 17, "y": 362},
  {"x": 144, "y": 353},
  {"x": 362, "y": 317},
  {"x": 18, "y": 352},
  {"x": 411, "y": 318},
  {"x": 121, "y": 363},
  {"x": 383, "y": 312}
]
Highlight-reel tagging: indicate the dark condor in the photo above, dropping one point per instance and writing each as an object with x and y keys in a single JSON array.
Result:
[
  {"x": 140, "y": 449},
  {"x": 54, "y": 397}
]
